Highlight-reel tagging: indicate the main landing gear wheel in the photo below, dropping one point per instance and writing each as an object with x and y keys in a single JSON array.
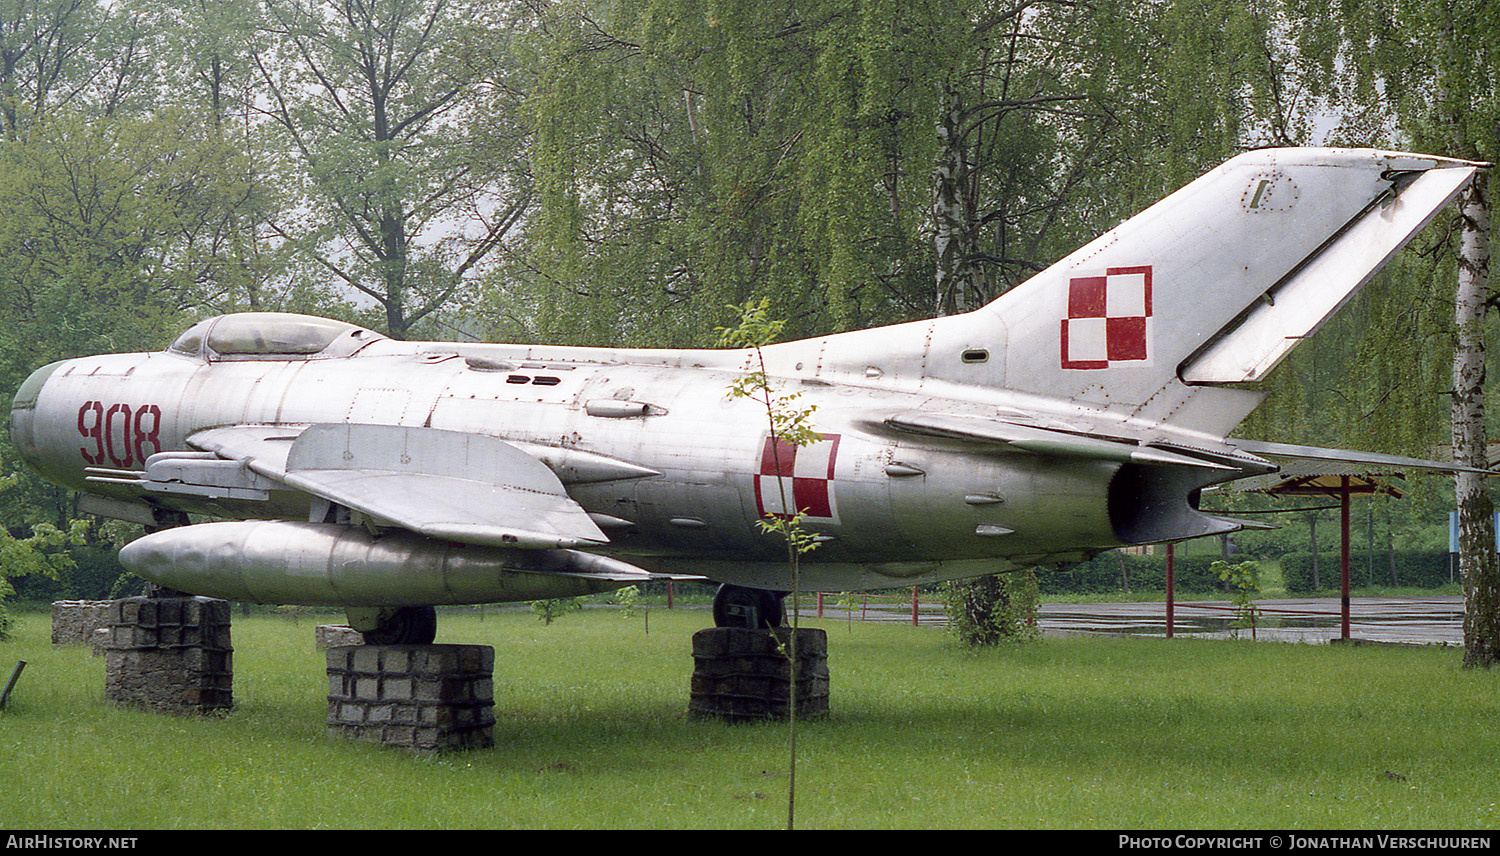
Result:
[
  {"x": 407, "y": 625},
  {"x": 737, "y": 606}
]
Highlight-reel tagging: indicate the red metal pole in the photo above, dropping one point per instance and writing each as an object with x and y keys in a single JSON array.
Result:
[
  {"x": 1171, "y": 592},
  {"x": 913, "y": 606},
  {"x": 1344, "y": 552}
]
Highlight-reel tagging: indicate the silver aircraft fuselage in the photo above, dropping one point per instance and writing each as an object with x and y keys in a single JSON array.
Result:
[{"x": 890, "y": 507}]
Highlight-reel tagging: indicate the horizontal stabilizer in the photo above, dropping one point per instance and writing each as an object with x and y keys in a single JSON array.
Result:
[{"x": 1374, "y": 461}]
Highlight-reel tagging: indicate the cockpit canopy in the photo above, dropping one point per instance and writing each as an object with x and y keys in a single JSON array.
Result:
[{"x": 271, "y": 336}]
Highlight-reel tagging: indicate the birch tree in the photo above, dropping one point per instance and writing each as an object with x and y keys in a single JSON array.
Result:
[
  {"x": 1476, "y": 511},
  {"x": 1468, "y": 85},
  {"x": 1429, "y": 69}
]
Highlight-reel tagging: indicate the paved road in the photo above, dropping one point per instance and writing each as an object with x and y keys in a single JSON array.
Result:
[{"x": 1411, "y": 621}]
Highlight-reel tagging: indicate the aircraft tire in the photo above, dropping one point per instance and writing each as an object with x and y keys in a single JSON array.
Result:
[
  {"x": 409, "y": 625},
  {"x": 737, "y": 606}
]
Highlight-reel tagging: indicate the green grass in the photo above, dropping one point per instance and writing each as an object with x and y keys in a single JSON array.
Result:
[{"x": 592, "y": 732}]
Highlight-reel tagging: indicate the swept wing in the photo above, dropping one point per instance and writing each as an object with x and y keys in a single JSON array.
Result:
[{"x": 449, "y": 485}]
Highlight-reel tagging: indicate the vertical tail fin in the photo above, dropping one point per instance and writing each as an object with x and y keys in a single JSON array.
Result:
[
  {"x": 1212, "y": 285},
  {"x": 1217, "y": 282}
]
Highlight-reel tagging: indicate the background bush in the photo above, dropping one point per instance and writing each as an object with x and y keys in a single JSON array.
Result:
[
  {"x": 1114, "y": 573},
  {"x": 1418, "y": 569}
]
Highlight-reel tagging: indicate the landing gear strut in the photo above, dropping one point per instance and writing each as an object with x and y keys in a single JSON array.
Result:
[
  {"x": 737, "y": 606},
  {"x": 406, "y": 625}
]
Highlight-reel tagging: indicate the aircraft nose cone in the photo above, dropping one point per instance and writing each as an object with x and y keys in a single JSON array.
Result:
[{"x": 23, "y": 413}]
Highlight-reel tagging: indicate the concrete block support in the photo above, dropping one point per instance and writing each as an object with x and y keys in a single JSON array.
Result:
[
  {"x": 428, "y": 698},
  {"x": 741, "y": 674},
  {"x": 169, "y": 655},
  {"x": 74, "y": 621}
]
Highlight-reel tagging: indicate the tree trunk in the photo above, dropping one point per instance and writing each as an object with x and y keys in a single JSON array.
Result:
[
  {"x": 983, "y": 603},
  {"x": 953, "y": 233},
  {"x": 1476, "y": 520}
]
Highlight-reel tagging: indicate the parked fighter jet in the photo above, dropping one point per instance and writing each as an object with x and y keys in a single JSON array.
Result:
[{"x": 1084, "y": 410}]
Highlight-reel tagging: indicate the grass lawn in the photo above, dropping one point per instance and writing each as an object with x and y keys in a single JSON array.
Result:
[{"x": 592, "y": 732}]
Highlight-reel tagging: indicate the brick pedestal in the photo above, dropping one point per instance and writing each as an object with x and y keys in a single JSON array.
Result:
[
  {"x": 429, "y": 698},
  {"x": 170, "y": 655},
  {"x": 741, "y": 674}
]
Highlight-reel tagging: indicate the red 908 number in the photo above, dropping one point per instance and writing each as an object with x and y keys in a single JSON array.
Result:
[{"x": 118, "y": 433}]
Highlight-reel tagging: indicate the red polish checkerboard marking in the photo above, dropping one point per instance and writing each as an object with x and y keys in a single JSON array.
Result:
[
  {"x": 1109, "y": 319},
  {"x": 806, "y": 475}
]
